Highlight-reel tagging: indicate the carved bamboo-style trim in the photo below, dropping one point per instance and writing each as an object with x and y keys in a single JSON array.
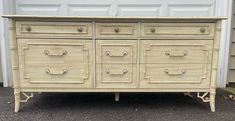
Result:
[
  {"x": 14, "y": 62},
  {"x": 87, "y": 63},
  {"x": 214, "y": 65},
  {"x": 148, "y": 48},
  {"x": 14, "y": 54},
  {"x": 205, "y": 48}
]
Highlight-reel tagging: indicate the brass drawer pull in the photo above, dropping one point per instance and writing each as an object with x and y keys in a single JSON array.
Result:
[
  {"x": 202, "y": 30},
  {"x": 28, "y": 28},
  {"x": 55, "y": 53},
  {"x": 56, "y": 72},
  {"x": 108, "y": 53},
  {"x": 175, "y": 72},
  {"x": 176, "y": 53},
  {"x": 124, "y": 71},
  {"x": 116, "y": 30},
  {"x": 152, "y": 29},
  {"x": 80, "y": 29}
]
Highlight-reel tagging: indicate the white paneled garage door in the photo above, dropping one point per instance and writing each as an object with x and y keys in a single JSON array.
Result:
[{"x": 117, "y": 7}]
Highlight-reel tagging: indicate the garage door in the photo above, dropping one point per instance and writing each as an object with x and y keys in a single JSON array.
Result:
[{"x": 117, "y": 7}]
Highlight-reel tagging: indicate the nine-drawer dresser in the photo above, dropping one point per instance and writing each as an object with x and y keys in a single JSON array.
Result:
[{"x": 114, "y": 54}]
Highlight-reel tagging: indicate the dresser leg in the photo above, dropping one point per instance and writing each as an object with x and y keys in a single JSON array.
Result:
[
  {"x": 17, "y": 101},
  {"x": 212, "y": 101},
  {"x": 116, "y": 96}
]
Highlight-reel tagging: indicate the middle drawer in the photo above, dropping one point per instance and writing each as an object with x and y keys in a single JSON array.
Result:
[
  {"x": 116, "y": 51},
  {"x": 116, "y": 29}
]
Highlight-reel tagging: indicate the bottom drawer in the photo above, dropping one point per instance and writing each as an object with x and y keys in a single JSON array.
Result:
[
  {"x": 175, "y": 75},
  {"x": 116, "y": 76}
]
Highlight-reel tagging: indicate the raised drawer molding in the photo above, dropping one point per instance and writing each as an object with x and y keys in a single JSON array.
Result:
[{"x": 114, "y": 54}]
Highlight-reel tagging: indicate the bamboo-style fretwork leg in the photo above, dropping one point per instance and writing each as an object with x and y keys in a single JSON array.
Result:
[
  {"x": 14, "y": 63},
  {"x": 117, "y": 96},
  {"x": 206, "y": 97},
  {"x": 212, "y": 101},
  {"x": 17, "y": 101}
]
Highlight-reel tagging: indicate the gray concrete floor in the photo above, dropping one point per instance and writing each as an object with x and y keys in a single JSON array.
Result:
[{"x": 102, "y": 107}]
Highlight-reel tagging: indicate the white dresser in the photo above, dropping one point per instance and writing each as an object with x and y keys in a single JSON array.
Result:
[{"x": 114, "y": 54}]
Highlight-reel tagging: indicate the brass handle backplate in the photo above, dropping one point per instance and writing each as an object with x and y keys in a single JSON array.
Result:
[
  {"x": 55, "y": 52},
  {"x": 176, "y": 53},
  {"x": 124, "y": 71},
  {"x": 56, "y": 72},
  {"x": 108, "y": 53},
  {"x": 175, "y": 72}
]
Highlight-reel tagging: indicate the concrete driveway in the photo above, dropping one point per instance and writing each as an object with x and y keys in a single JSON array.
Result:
[{"x": 102, "y": 107}]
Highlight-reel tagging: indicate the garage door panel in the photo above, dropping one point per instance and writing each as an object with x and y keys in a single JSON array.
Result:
[
  {"x": 90, "y": 9},
  {"x": 140, "y": 10},
  {"x": 116, "y": 7},
  {"x": 190, "y": 9},
  {"x": 42, "y": 9}
]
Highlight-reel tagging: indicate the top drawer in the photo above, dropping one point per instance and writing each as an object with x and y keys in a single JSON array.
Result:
[
  {"x": 178, "y": 30},
  {"x": 116, "y": 29},
  {"x": 54, "y": 28}
]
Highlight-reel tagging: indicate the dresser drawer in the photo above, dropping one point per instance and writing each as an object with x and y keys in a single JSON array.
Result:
[
  {"x": 60, "y": 61},
  {"x": 54, "y": 28},
  {"x": 163, "y": 75},
  {"x": 178, "y": 30},
  {"x": 116, "y": 75},
  {"x": 176, "y": 51},
  {"x": 116, "y": 29},
  {"x": 116, "y": 51}
]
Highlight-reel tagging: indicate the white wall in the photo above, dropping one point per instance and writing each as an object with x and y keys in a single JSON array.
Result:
[
  {"x": 6, "y": 7},
  {"x": 224, "y": 8},
  {"x": 127, "y": 8}
]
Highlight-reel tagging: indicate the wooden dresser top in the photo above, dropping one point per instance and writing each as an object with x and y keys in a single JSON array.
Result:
[{"x": 110, "y": 17}]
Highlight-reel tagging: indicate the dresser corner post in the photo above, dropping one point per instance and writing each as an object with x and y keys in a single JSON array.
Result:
[
  {"x": 17, "y": 100},
  {"x": 212, "y": 100},
  {"x": 14, "y": 62},
  {"x": 215, "y": 56}
]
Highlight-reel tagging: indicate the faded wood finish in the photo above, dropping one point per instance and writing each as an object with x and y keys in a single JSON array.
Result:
[
  {"x": 114, "y": 54},
  {"x": 188, "y": 30},
  {"x": 60, "y": 61}
]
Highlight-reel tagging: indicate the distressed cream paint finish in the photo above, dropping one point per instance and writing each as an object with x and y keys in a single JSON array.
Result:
[{"x": 114, "y": 54}]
